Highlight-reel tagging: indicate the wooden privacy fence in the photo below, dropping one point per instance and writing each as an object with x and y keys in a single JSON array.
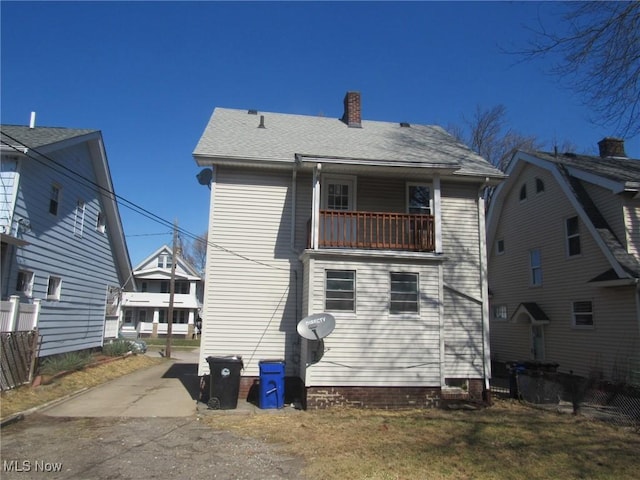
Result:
[
  {"x": 19, "y": 341},
  {"x": 17, "y": 358}
]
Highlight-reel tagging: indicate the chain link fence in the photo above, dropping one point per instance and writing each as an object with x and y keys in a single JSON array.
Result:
[{"x": 618, "y": 404}]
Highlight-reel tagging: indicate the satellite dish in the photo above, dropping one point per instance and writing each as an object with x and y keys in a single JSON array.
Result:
[
  {"x": 316, "y": 326},
  {"x": 205, "y": 176}
]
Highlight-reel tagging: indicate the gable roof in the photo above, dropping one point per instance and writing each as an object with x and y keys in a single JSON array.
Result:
[
  {"x": 41, "y": 140},
  {"x": 21, "y": 136},
  {"x": 618, "y": 174},
  {"x": 235, "y": 136},
  {"x": 150, "y": 265}
]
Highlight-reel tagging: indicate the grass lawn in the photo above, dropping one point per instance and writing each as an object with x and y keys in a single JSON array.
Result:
[
  {"x": 507, "y": 441},
  {"x": 175, "y": 342}
]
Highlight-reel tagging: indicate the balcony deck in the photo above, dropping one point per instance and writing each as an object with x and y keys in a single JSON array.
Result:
[{"x": 375, "y": 230}]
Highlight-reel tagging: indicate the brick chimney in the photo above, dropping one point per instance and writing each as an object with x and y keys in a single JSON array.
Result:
[
  {"x": 352, "y": 113},
  {"x": 611, "y": 147}
]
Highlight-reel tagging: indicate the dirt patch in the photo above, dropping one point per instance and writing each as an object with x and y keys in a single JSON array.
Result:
[{"x": 135, "y": 448}]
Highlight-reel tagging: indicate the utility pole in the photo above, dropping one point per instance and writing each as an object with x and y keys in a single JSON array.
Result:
[{"x": 172, "y": 288}]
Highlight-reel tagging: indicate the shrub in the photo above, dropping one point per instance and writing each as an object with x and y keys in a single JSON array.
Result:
[
  {"x": 65, "y": 362},
  {"x": 116, "y": 348}
]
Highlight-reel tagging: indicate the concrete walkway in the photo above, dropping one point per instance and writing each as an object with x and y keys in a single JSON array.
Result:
[{"x": 166, "y": 390}]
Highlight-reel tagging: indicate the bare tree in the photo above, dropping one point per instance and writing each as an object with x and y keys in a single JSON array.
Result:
[
  {"x": 196, "y": 252},
  {"x": 599, "y": 50},
  {"x": 488, "y": 135}
]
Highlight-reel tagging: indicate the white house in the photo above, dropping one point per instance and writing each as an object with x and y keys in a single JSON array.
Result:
[
  {"x": 564, "y": 262},
  {"x": 62, "y": 238},
  {"x": 379, "y": 224},
  {"x": 145, "y": 310}
]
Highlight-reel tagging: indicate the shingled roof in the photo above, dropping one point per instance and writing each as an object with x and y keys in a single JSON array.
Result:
[
  {"x": 23, "y": 136},
  {"x": 233, "y": 134}
]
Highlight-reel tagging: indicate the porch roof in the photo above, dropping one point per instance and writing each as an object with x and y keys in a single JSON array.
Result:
[{"x": 533, "y": 311}]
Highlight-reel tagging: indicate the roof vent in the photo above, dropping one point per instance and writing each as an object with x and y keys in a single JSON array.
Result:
[
  {"x": 261, "y": 122},
  {"x": 252, "y": 112},
  {"x": 405, "y": 124},
  {"x": 32, "y": 121}
]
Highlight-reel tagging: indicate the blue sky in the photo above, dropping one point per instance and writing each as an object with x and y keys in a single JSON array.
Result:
[{"x": 149, "y": 74}]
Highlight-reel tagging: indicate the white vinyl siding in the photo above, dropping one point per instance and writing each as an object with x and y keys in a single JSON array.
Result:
[
  {"x": 250, "y": 303},
  {"x": 632, "y": 226},
  {"x": 462, "y": 308},
  {"x": 371, "y": 347}
]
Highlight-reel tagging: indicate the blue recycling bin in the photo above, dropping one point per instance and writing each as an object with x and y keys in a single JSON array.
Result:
[{"x": 271, "y": 384}]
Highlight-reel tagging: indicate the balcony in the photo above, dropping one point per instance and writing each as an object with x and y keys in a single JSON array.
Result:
[{"x": 376, "y": 231}]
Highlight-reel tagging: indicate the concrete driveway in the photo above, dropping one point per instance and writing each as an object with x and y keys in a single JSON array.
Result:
[
  {"x": 145, "y": 425},
  {"x": 166, "y": 390}
]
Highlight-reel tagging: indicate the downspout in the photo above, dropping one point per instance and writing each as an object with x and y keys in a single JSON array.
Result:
[
  {"x": 484, "y": 290},
  {"x": 294, "y": 181},
  {"x": 638, "y": 310},
  {"x": 315, "y": 213}
]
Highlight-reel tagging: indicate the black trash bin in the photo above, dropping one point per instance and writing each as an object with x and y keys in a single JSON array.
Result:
[{"x": 224, "y": 382}]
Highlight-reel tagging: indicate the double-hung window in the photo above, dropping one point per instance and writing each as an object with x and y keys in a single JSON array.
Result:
[
  {"x": 54, "y": 199},
  {"x": 535, "y": 263},
  {"x": 573, "y": 236},
  {"x": 582, "y": 313},
  {"x": 404, "y": 293},
  {"x": 340, "y": 290},
  {"x": 24, "y": 285},
  {"x": 54, "y": 287},
  {"x": 419, "y": 199}
]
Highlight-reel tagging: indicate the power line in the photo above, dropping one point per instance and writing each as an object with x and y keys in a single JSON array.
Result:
[{"x": 72, "y": 175}]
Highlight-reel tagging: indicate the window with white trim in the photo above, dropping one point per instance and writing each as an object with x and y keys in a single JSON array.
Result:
[
  {"x": 54, "y": 199},
  {"x": 404, "y": 293},
  {"x": 535, "y": 265},
  {"x": 101, "y": 223},
  {"x": 573, "y": 236},
  {"x": 419, "y": 199},
  {"x": 24, "y": 284},
  {"x": 500, "y": 313},
  {"x": 582, "y": 314},
  {"x": 54, "y": 287},
  {"x": 340, "y": 290}
]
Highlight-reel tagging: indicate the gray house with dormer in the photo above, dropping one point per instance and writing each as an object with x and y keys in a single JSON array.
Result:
[
  {"x": 564, "y": 262},
  {"x": 379, "y": 224},
  {"x": 63, "y": 245}
]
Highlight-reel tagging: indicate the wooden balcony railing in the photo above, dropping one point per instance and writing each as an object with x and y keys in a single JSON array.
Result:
[{"x": 372, "y": 230}]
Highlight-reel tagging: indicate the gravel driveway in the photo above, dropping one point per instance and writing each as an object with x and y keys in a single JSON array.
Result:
[
  {"x": 144, "y": 425},
  {"x": 136, "y": 448}
]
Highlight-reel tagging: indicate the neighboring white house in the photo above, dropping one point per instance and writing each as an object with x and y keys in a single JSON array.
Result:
[
  {"x": 380, "y": 224},
  {"x": 564, "y": 262},
  {"x": 62, "y": 238},
  {"x": 145, "y": 311}
]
